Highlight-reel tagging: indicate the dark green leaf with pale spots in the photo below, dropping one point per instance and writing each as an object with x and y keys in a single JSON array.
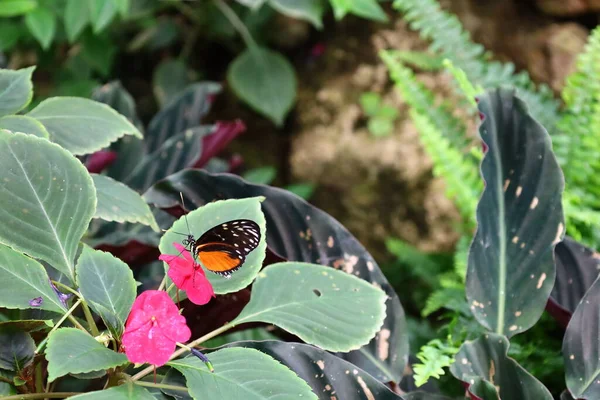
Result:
[
  {"x": 511, "y": 268},
  {"x": 24, "y": 124},
  {"x": 82, "y": 126},
  {"x": 581, "y": 347},
  {"x": 209, "y": 216},
  {"x": 424, "y": 396},
  {"x": 48, "y": 199},
  {"x": 326, "y": 374},
  {"x": 331, "y": 309},
  {"x": 483, "y": 364},
  {"x": 242, "y": 374},
  {"x": 16, "y": 90},
  {"x": 17, "y": 349},
  {"x": 577, "y": 267},
  {"x": 70, "y": 350},
  {"x": 323, "y": 241},
  {"x": 128, "y": 391},
  {"x": 107, "y": 284},
  {"x": 24, "y": 279}
]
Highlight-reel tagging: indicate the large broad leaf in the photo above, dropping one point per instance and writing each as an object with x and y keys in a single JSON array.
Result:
[
  {"x": 107, "y": 284},
  {"x": 326, "y": 374},
  {"x": 483, "y": 364},
  {"x": 80, "y": 125},
  {"x": 310, "y": 10},
  {"x": 117, "y": 202},
  {"x": 265, "y": 80},
  {"x": 581, "y": 347},
  {"x": 71, "y": 351},
  {"x": 331, "y": 309},
  {"x": 214, "y": 214},
  {"x": 24, "y": 124},
  {"x": 511, "y": 268},
  {"x": 323, "y": 241},
  {"x": 128, "y": 391},
  {"x": 23, "y": 280},
  {"x": 577, "y": 267},
  {"x": 242, "y": 374},
  {"x": 16, "y": 90},
  {"x": 41, "y": 22},
  {"x": 48, "y": 199},
  {"x": 17, "y": 349},
  {"x": 115, "y": 95}
]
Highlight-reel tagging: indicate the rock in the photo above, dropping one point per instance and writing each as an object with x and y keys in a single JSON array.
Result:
[{"x": 568, "y": 7}]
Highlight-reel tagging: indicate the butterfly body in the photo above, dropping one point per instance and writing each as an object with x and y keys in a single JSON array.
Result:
[{"x": 223, "y": 248}]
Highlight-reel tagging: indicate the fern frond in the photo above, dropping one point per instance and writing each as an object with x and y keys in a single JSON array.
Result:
[
  {"x": 450, "y": 40},
  {"x": 469, "y": 90},
  {"x": 434, "y": 357},
  {"x": 461, "y": 176}
]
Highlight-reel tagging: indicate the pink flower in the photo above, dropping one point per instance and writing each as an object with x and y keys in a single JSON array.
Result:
[
  {"x": 188, "y": 276},
  {"x": 152, "y": 329}
]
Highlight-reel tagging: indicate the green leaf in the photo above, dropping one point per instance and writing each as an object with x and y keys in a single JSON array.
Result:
[
  {"x": 48, "y": 200},
  {"x": 369, "y": 9},
  {"x": 27, "y": 325},
  {"x": 102, "y": 13},
  {"x": 263, "y": 175},
  {"x": 10, "y": 32},
  {"x": 117, "y": 202},
  {"x": 370, "y": 103},
  {"x": 265, "y": 80},
  {"x": 380, "y": 127},
  {"x": 77, "y": 17},
  {"x": 302, "y": 190},
  {"x": 128, "y": 391},
  {"x": 309, "y": 10},
  {"x": 485, "y": 366},
  {"x": 13, "y": 8},
  {"x": 324, "y": 372},
  {"x": 70, "y": 350},
  {"x": 17, "y": 349},
  {"x": 24, "y": 124},
  {"x": 82, "y": 126},
  {"x": 42, "y": 25},
  {"x": 16, "y": 90},
  {"x": 211, "y": 215},
  {"x": 242, "y": 374},
  {"x": 511, "y": 267},
  {"x": 24, "y": 279},
  {"x": 581, "y": 347},
  {"x": 107, "y": 284},
  {"x": 325, "y": 307},
  {"x": 99, "y": 52},
  {"x": 169, "y": 80},
  {"x": 254, "y": 4}
]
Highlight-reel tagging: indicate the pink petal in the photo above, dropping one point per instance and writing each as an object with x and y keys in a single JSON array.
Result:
[
  {"x": 148, "y": 345},
  {"x": 175, "y": 328},
  {"x": 199, "y": 289}
]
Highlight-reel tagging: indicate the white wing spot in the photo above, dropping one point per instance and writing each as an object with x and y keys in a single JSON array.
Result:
[
  {"x": 534, "y": 203},
  {"x": 519, "y": 190},
  {"x": 559, "y": 232},
  {"x": 506, "y": 183},
  {"x": 541, "y": 281},
  {"x": 515, "y": 239}
]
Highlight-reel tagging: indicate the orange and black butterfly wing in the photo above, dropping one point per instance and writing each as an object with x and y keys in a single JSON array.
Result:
[{"x": 223, "y": 248}]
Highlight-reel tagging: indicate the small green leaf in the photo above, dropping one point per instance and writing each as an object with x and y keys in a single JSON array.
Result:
[
  {"x": 24, "y": 124},
  {"x": 48, "y": 199},
  {"x": 82, "y": 126},
  {"x": 24, "y": 279},
  {"x": 117, "y": 202},
  {"x": 265, "y": 80},
  {"x": 263, "y": 175},
  {"x": 323, "y": 306},
  {"x": 13, "y": 8},
  {"x": 303, "y": 190},
  {"x": 17, "y": 349},
  {"x": 211, "y": 215},
  {"x": 242, "y": 374},
  {"x": 128, "y": 391},
  {"x": 388, "y": 112},
  {"x": 169, "y": 80},
  {"x": 370, "y": 103},
  {"x": 369, "y": 9},
  {"x": 16, "y": 90},
  {"x": 102, "y": 13},
  {"x": 10, "y": 32},
  {"x": 77, "y": 17},
  {"x": 380, "y": 127},
  {"x": 254, "y": 4},
  {"x": 309, "y": 10},
  {"x": 42, "y": 25},
  {"x": 70, "y": 350},
  {"x": 99, "y": 52},
  {"x": 107, "y": 284}
]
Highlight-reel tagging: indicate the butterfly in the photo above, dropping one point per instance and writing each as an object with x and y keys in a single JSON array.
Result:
[{"x": 223, "y": 248}]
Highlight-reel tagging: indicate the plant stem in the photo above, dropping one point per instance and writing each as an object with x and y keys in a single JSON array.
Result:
[
  {"x": 161, "y": 386},
  {"x": 237, "y": 23},
  {"x": 179, "y": 352},
  {"x": 58, "y": 324},
  {"x": 39, "y": 379},
  {"x": 163, "y": 283},
  {"x": 55, "y": 395},
  {"x": 89, "y": 318}
]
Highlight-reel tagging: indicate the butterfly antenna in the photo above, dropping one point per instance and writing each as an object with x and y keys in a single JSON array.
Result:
[{"x": 185, "y": 215}]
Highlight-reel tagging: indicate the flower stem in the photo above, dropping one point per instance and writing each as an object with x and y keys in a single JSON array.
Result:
[
  {"x": 161, "y": 386},
  {"x": 58, "y": 324},
  {"x": 163, "y": 283},
  {"x": 179, "y": 352},
  {"x": 89, "y": 318},
  {"x": 237, "y": 23},
  {"x": 55, "y": 395}
]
